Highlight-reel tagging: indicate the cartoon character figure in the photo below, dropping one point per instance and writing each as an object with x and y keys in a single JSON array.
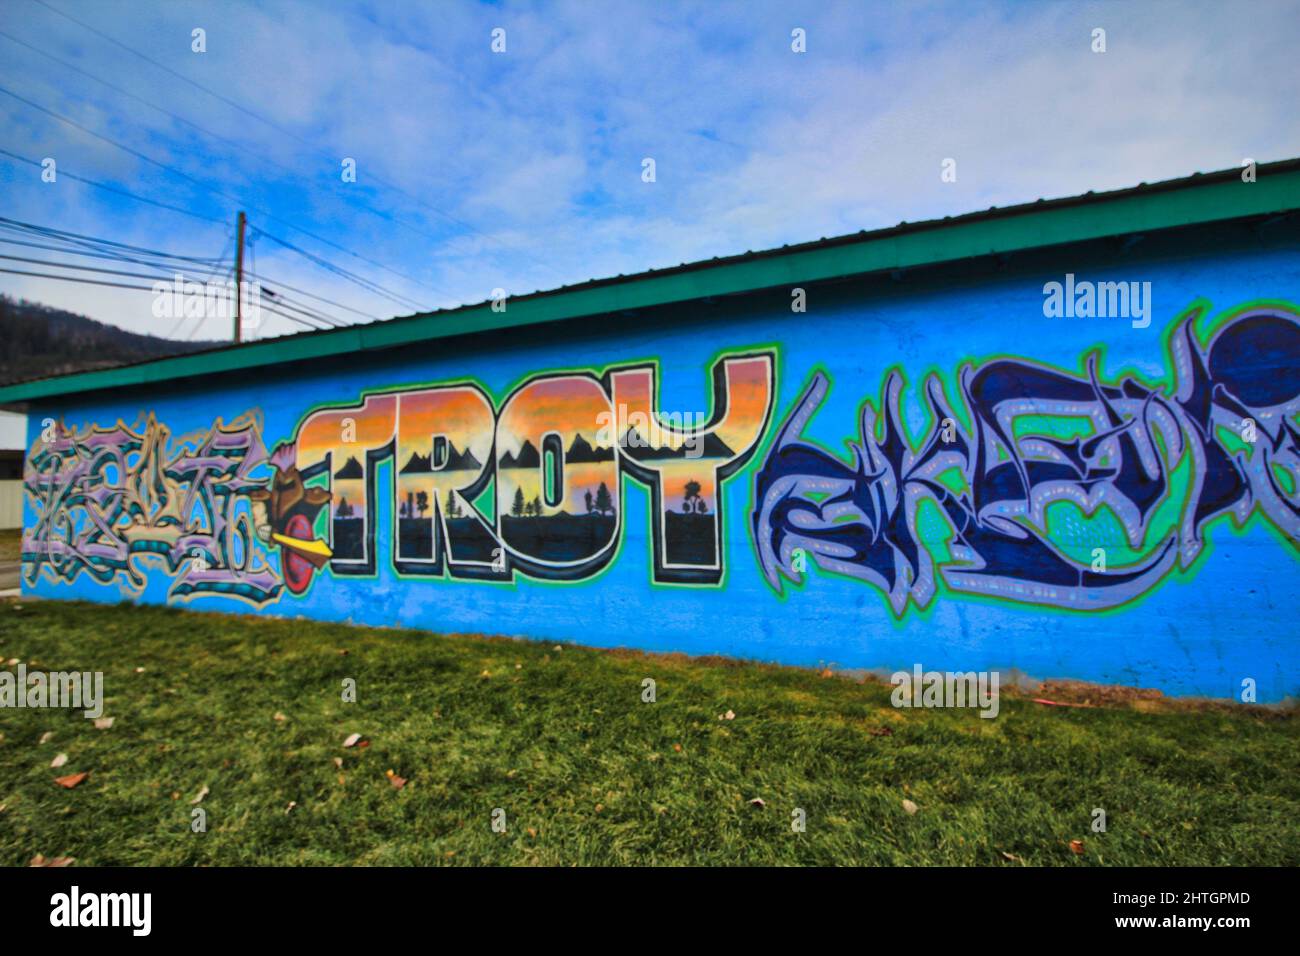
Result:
[{"x": 285, "y": 514}]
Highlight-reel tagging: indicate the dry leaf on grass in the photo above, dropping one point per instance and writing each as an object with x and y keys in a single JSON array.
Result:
[
  {"x": 1057, "y": 703},
  {"x": 910, "y": 807},
  {"x": 201, "y": 794},
  {"x": 58, "y": 761},
  {"x": 45, "y": 737},
  {"x": 40, "y": 860},
  {"x": 292, "y": 804},
  {"x": 1012, "y": 857},
  {"x": 279, "y": 717},
  {"x": 338, "y": 762},
  {"x": 729, "y": 715},
  {"x": 757, "y": 802},
  {"x": 103, "y": 723},
  {"x": 353, "y": 740},
  {"x": 71, "y": 780},
  {"x": 1076, "y": 847},
  {"x": 397, "y": 782},
  {"x": 885, "y": 731}
]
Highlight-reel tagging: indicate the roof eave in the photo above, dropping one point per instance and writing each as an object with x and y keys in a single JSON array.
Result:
[{"x": 1191, "y": 201}]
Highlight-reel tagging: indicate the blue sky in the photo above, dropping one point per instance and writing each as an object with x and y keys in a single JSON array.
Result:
[{"x": 522, "y": 170}]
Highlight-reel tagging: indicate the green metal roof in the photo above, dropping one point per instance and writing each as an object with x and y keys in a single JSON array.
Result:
[{"x": 1202, "y": 198}]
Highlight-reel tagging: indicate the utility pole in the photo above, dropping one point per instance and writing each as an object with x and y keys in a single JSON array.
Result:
[{"x": 239, "y": 275}]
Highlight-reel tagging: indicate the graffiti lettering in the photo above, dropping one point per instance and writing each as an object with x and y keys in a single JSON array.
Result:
[
  {"x": 109, "y": 499},
  {"x": 1053, "y": 465},
  {"x": 555, "y": 505}
]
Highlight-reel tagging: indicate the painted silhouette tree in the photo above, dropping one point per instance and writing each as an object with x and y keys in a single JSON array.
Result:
[
  {"x": 344, "y": 510},
  {"x": 692, "y": 495},
  {"x": 537, "y": 507},
  {"x": 517, "y": 506},
  {"x": 422, "y": 502},
  {"x": 590, "y": 505},
  {"x": 604, "y": 504},
  {"x": 453, "y": 509}
]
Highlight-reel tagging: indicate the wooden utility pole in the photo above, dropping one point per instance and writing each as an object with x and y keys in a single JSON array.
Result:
[{"x": 239, "y": 275}]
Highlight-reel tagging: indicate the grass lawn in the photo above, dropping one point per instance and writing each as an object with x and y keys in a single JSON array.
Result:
[{"x": 250, "y": 710}]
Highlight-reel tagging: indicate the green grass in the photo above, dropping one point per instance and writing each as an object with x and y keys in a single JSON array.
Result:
[{"x": 585, "y": 771}]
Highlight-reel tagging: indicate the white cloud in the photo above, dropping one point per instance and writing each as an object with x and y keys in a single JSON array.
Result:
[{"x": 539, "y": 150}]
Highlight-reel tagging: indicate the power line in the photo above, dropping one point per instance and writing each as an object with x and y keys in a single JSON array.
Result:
[
  {"x": 279, "y": 301},
  {"x": 197, "y": 325},
  {"x": 371, "y": 286},
  {"x": 109, "y": 256},
  {"x": 142, "y": 288},
  {"x": 49, "y": 275},
  {"x": 225, "y": 139},
  {"x": 102, "y": 249},
  {"x": 323, "y": 263},
  {"x": 269, "y": 285},
  {"x": 290, "y": 133},
  {"x": 89, "y": 247},
  {"x": 75, "y": 236},
  {"x": 81, "y": 268},
  {"x": 114, "y": 189},
  {"x": 92, "y": 242},
  {"x": 312, "y": 295},
  {"x": 292, "y": 318},
  {"x": 74, "y": 251}
]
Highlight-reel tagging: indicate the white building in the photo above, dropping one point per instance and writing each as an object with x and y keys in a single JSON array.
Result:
[{"x": 13, "y": 445}]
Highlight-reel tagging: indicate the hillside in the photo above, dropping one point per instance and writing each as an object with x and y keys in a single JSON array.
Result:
[{"x": 37, "y": 341}]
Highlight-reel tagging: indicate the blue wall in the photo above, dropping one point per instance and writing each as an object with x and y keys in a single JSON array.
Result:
[{"x": 1199, "y": 630}]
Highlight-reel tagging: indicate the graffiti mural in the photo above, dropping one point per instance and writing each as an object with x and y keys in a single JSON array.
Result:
[
  {"x": 110, "y": 501},
  {"x": 474, "y": 492},
  {"x": 1041, "y": 486},
  {"x": 533, "y": 487},
  {"x": 1058, "y": 488}
]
